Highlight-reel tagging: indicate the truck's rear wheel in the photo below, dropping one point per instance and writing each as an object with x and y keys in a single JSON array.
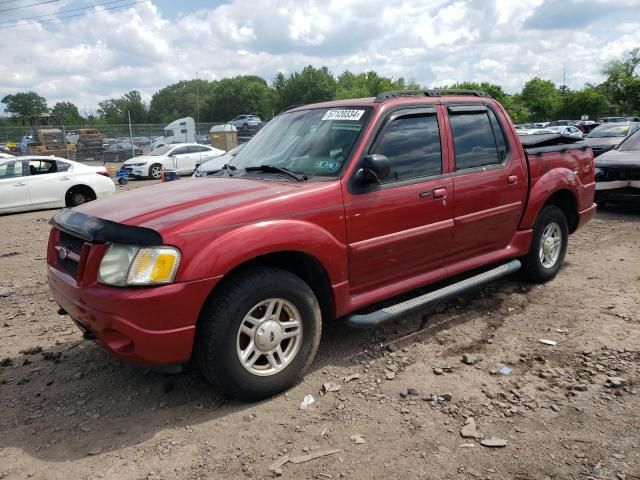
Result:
[
  {"x": 548, "y": 246},
  {"x": 259, "y": 333}
]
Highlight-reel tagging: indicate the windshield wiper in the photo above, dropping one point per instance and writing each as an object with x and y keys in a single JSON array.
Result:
[
  {"x": 229, "y": 168},
  {"x": 274, "y": 169}
]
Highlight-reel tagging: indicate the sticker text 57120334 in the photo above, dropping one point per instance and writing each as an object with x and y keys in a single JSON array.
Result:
[{"x": 343, "y": 115}]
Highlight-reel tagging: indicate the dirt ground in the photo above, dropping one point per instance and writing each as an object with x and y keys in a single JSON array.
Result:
[{"x": 571, "y": 411}]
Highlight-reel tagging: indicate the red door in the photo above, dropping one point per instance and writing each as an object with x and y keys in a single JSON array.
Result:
[
  {"x": 490, "y": 182},
  {"x": 403, "y": 226}
]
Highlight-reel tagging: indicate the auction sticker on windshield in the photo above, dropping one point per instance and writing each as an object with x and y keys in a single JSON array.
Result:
[{"x": 343, "y": 115}]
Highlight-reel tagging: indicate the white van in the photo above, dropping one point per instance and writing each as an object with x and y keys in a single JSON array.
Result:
[{"x": 182, "y": 130}]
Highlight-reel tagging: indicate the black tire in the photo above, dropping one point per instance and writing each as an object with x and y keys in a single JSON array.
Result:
[
  {"x": 79, "y": 196},
  {"x": 155, "y": 171},
  {"x": 533, "y": 266},
  {"x": 218, "y": 336}
]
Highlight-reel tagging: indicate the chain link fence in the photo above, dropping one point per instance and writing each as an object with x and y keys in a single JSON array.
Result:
[{"x": 15, "y": 133}]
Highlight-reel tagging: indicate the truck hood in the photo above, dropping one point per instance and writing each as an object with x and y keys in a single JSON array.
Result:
[{"x": 197, "y": 203}]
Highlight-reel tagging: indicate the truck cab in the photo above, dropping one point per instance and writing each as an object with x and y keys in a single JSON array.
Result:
[
  {"x": 338, "y": 210},
  {"x": 182, "y": 130}
]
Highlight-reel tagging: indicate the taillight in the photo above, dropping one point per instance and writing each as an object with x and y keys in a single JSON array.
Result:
[{"x": 104, "y": 174}]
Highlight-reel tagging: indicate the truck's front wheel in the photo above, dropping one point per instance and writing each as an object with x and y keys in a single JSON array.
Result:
[
  {"x": 259, "y": 333},
  {"x": 548, "y": 247}
]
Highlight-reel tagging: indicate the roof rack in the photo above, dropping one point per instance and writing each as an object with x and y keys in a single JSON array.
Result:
[{"x": 434, "y": 92}]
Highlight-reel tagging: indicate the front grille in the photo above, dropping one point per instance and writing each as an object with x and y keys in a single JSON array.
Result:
[
  {"x": 73, "y": 244},
  {"x": 68, "y": 266}
]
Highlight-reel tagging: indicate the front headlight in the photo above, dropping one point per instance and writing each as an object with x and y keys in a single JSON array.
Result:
[{"x": 124, "y": 265}]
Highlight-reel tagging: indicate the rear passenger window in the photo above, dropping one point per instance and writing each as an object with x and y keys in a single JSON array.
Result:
[
  {"x": 412, "y": 144},
  {"x": 477, "y": 138},
  {"x": 63, "y": 166}
]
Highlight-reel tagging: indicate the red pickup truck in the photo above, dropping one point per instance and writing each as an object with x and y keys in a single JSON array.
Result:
[{"x": 328, "y": 211}]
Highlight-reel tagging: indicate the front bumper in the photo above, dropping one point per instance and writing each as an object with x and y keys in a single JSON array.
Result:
[
  {"x": 620, "y": 192},
  {"x": 150, "y": 326}
]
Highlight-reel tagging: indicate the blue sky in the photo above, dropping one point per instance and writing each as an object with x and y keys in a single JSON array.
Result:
[{"x": 103, "y": 54}]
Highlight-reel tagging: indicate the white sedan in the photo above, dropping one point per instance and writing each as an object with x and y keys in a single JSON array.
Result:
[
  {"x": 567, "y": 131},
  {"x": 36, "y": 182},
  {"x": 182, "y": 157}
]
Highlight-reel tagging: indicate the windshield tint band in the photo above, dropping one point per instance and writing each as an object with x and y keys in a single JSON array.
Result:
[{"x": 311, "y": 142}]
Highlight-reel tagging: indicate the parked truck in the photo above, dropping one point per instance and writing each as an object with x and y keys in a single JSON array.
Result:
[
  {"x": 47, "y": 138},
  {"x": 182, "y": 130},
  {"x": 338, "y": 210}
]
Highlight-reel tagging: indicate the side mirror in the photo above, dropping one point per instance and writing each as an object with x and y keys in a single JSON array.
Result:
[{"x": 375, "y": 167}]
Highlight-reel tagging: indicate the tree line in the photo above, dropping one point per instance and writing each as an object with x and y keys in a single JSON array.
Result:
[{"x": 221, "y": 100}]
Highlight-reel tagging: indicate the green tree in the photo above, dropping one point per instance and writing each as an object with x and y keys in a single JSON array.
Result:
[
  {"x": 494, "y": 90},
  {"x": 516, "y": 108},
  {"x": 67, "y": 113},
  {"x": 368, "y": 84},
  {"x": 25, "y": 104},
  {"x": 117, "y": 110},
  {"x": 309, "y": 86},
  {"x": 590, "y": 101},
  {"x": 241, "y": 94},
  {"x": 622, "y": 85},
  {"x": 541, "y": 98},
  {"x": 180, "y": 100}
]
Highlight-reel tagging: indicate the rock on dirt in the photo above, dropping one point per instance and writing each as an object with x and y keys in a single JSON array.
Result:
[
  {"x": 470, "y": 359},
  {"x": 493, "y": 442},
  {"x": 469, "y": 429}
]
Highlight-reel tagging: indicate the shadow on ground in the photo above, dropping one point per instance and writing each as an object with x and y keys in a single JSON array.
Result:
[{"x": 74, "y": 397}]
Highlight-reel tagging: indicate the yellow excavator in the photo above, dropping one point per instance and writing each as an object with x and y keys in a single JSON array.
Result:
[{"x": 48, "y": 138}]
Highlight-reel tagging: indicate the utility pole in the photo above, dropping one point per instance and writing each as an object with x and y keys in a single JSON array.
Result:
[
  {"x": 133, "y": 150},
  {"x": 564, "y": 89},
  {"x": 197, "y": 105}
]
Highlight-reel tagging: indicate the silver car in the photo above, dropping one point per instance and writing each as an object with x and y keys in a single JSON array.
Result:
[{"x": 247, "y": 122}]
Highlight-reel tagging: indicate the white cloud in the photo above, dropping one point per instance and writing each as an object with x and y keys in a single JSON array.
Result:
[{"x": 106, "y": 54}]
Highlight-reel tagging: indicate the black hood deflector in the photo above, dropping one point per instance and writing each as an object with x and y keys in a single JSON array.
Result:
[{"x": 98, "y": 230}]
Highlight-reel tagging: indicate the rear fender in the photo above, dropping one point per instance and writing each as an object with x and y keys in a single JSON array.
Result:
[
  {"x": 245, "y": 243},
  {"x": 544, "y": 187}
]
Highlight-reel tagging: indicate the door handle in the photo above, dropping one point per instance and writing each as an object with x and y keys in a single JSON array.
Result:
[
  {"x": 512, "y": 179},
  {"x": 64, "y": 179},
  {"x": 19, "y": 184},
  {"x": 439, "y": 193}
]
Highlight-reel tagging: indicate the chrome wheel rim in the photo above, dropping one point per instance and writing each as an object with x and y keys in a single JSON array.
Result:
[
  {"x": 156, "y": 172},
  {"x": 550, "y": 245},
  {"x": 269, "y": 337}
]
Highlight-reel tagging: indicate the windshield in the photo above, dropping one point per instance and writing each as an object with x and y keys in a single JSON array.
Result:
[
  {"x": 609, "y": 131},
  {"x": 161, "y": 151},
  {"x": 632, "y": 143},
  {"x": 312, "y": 142}
]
